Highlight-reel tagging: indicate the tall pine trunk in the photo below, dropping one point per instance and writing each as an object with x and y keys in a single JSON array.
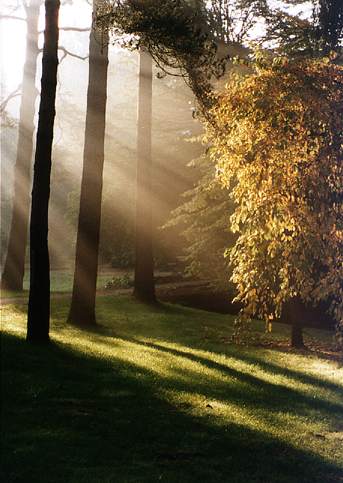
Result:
[
  {"x": 144, "y": 285},
  {"x": 82, "y": 310},
  {"x": 39, "y": 297},
  {"x": 14, "y": 267}
]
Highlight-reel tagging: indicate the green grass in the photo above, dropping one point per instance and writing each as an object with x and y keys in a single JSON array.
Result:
[
  {"x": 158, "y": 394},
  {"x": 62, "y": 281}
]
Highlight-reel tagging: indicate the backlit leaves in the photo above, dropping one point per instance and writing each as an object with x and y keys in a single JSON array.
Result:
[{"x": 277, "y": 141}]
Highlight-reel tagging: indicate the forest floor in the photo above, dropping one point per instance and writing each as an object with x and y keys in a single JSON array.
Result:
[{"x": 161, "y": 394}]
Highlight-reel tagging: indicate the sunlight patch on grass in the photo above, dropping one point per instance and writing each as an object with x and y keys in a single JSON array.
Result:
[
  {"x": 222, "y": 413},
  {"x": 13, "y": 320}
]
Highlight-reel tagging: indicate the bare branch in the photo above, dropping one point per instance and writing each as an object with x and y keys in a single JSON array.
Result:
[
  {"x": 12, "y": 17},
  {"x": 70, "y": 29},
  {"x": 10, "y": 96},
  {"x": 75, "y": 29},
  {"x": 72, "y": 54},
  {"x": 67, "y": 52}
]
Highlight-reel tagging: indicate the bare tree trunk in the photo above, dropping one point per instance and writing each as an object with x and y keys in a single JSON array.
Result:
[
  {"x": 14, "y": 267},
  {"x": 39, "y": 298},
  {"x": 144, "y": 285},
  {"x": 82, "y": 310}
]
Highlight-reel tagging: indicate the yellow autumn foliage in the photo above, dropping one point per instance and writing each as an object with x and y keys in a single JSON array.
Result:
[{"x": 277, "y": 141}]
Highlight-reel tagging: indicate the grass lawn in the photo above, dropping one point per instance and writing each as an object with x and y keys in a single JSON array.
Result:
[
  {"x": 62, "y": 281},
  {"x": 159, "y": 394}
]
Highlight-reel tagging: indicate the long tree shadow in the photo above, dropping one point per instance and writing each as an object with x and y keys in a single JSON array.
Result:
[
  {"x": 285, "y": 371},
  {"x": 176, "y": 336},
  {"x": 267, "y": 394},
  {"x": 68, "y": 417},
  {"x": 232, "y": 351}
]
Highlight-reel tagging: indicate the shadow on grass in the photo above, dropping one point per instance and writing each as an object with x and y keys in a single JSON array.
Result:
[
  {"x": 270, "y": 396},
  {"x": 269, "y": 367},
  {"x": 166, "y": 331},
  {"x": 72, "y": 418},
  {"x": 175, "y": 333},
  {"x": 285, "y": 371}
]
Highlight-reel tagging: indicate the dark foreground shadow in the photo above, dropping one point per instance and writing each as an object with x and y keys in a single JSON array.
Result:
[{"x": 71, "y": 418}]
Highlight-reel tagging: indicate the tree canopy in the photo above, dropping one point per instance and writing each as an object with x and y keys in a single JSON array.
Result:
[
  {"x": 204, "y": 218},
  {"x": 175, "y": 33},
  {"x": 278, "y": 145},
  {"x": 313, "y": 31}
]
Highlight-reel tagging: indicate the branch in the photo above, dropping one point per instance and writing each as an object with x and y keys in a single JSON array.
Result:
[
  {"x": 12, "y": 17},
  {"x": 67, "y": 52},
  {"x": 10, "y": 96},
  {"x": 75, "y": 29},
  {"x": 70, "y": 29}
]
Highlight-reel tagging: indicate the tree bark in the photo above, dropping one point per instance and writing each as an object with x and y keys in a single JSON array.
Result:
[
  {"x": 330, "y": 24},
  {"x": 39, "y": 297},
  {"x": 14, "y": 267},
  {"x": 82, "y": 310},
  {"x": 297, "y": 340},
  {"x": 295, "y": 314},
  {"x": 144, "y": 285}
]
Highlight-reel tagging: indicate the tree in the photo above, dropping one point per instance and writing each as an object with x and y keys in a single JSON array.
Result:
[
  {"x": 144, "y": 285},
  {"x": 82, "y": 310},
  {"x": 14, "y": 266},
  {"x": 313, "y": 35},
  {"x": 39, "y": 297},
  {"x": 204, "y": 218},
  {"x": 230, "y": 21},
  {"x": 162, "y": 29},
  {"x": 175, "y": 33},
  {"x": 278, "y": 146},
  {"x": 205, "y": 213},
  {"x": 328, "y": 19}
]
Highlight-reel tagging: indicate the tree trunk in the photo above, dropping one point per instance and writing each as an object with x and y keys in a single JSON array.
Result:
[
  {"x": 13, "y": 272},
  {"x": 82, "y": 310},
  {"x": 330, "y": 23},
  {"x": 297, "y": 340},
  {"x": 144, "y": 285},
  {"x": 39, "y": 297},
  {"x": 295, "y": 309}
]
